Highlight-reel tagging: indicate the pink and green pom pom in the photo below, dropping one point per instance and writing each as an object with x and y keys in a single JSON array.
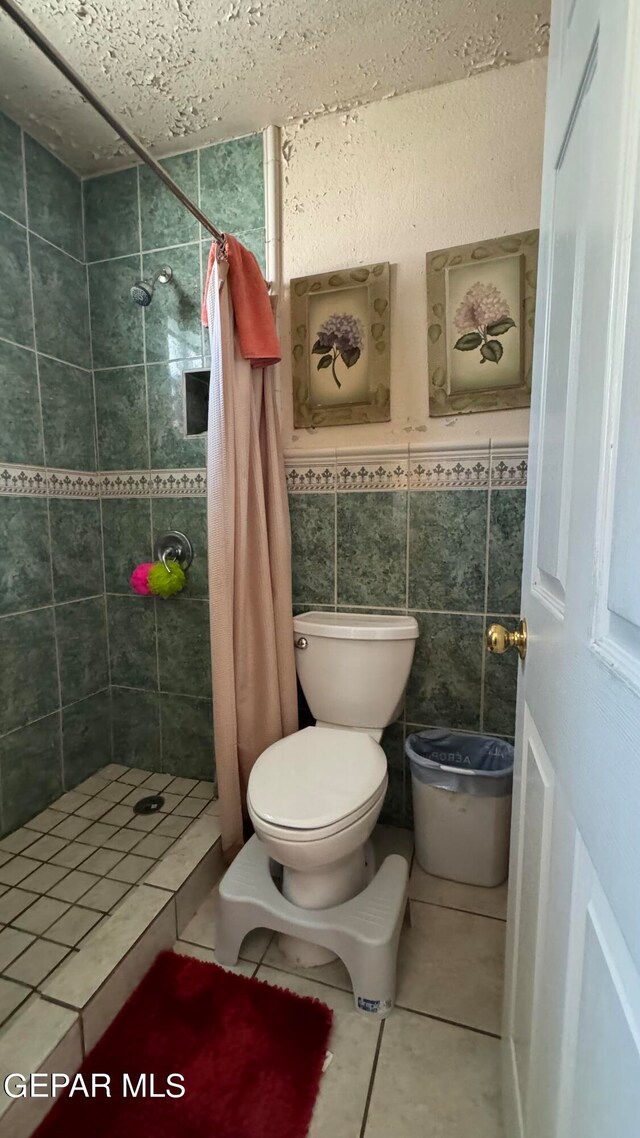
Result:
[
  {"x": 139, "y": 580},
  {"x": 164, "y": 581},
  {"x": 154, "y": 578}
]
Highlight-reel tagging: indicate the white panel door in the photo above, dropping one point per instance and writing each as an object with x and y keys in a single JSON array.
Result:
[{"x": 572, "y": 1007}]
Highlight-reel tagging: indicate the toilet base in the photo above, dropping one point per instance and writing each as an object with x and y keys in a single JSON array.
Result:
[
  {"x": 302, "y": 953},
  {"x": 364, "y": 931},
  {"x": 321, "y": 889}
]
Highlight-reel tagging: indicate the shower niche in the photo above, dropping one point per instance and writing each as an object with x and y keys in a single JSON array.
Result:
[{"x": 196, "y": 401}]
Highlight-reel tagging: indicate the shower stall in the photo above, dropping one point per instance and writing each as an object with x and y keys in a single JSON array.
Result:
[
  {"x": 109, "y": 827},
  {"x": 100, "y": 321}
]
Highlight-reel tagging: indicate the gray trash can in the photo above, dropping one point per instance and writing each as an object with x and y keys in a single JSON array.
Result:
[{"x": 462, "y": 787}]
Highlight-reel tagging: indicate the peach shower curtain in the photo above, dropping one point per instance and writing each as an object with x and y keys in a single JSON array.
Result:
[{"x": 254, "y": 679}]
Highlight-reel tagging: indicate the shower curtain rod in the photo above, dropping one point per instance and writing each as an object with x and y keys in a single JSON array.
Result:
[{"x": 78, "y": 82}]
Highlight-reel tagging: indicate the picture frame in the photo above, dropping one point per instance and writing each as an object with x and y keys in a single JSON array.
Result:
[
  {"x": 481, "y": 302},
  {"x": 340, "y": 353}
]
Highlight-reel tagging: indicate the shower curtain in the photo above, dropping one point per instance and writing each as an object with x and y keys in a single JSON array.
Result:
[{"x": 254, "y": 679}]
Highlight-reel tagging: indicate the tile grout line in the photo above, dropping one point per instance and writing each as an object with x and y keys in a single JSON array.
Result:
[
  {"x": 204, "y": 346},
  {"x": 409, "y": 612},
  {"x": 374, "y": 1068},
  {"x": 265, "y": 951},
  {"x": 483, "y": 663},
  {"x": 161, "y": 249},
  {"x": 63, "y": 707},
  {"x": 406, "y": 781},
  {"x": 144, "y": 322},
  {"x": 57, "y": 710},
  {"x": 457, "y": 909},
  {"x": 57, "y": 604},
  {"x": 467, "y": 730},
  {"x": 157, "y": 249},
  {"x": 97, "y": 457},
  {"x": 163, "y": 691},
  {"x": 130, "y": 367},
  {"x": 451, "y": 1022},
  {"x": 34, "y": 232},
  {"x": 159, "y": 689},
  {"x": 335, "y": 529},
  {"x": 316, "y": 979},
  {"x": 151, "y": 516},
  {"x": 170, "y": 899},
  {"x": 46, "y": 356},
  {"x": 401, "y": 1007},
  {"x": 198, "y": 201}
]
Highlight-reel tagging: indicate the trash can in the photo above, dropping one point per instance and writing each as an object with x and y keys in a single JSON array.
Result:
[{"x": 462, "y": 787}]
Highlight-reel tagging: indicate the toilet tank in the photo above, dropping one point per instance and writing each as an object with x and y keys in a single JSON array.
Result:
[{"x": 354, "y": 667}]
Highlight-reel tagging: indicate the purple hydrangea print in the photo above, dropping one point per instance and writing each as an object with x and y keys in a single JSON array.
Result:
[
  {"x": 483, "y": 314},
  {"x": 340, "y": 338}
]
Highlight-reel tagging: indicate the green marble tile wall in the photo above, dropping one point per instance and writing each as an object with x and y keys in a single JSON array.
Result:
[
  {"x": 90, "y": 386},
  {"x": 54, "y": 667},
  {"x": 439, "y": 537},
  {"x": 159, "y": 650}
]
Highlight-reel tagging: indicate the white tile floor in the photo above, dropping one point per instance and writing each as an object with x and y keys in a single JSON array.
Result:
[
  {"x": 431, "y": 1070},
  {"x": 64, "y": 871}
]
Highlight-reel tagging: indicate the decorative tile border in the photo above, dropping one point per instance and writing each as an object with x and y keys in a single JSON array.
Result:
[
  {"x": 23, "y": 481},
  {"x": 37, "y": 481},
  {"x": 415, "y": 467},
  {"x": 125, "y": 483},
  {"x": 509, "y": 465},
  {"x": 449, "y": 468},
  {"x": 313, "y": 472},
  {"x": 377, "y": 470},
  {"x": 502, "y": 465},
  {"x": 73, "y": 484},
  {"x": 178, "y": 483}
]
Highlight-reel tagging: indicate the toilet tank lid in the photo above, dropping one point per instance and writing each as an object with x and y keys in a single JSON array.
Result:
[{"x": 356, "y": 626}]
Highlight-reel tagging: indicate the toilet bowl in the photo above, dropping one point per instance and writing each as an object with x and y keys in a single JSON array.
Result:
[
  {"x": 314, "y": 799},
  {"x": 315, "y": 796}
]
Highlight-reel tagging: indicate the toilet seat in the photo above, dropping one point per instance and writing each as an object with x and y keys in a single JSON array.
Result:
[
  {"x": 291, "y": 834},
  {"x": 316, "y": 782}
]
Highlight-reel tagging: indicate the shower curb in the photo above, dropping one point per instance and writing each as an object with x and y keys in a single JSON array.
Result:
[{"x": 57, "y": 1027}]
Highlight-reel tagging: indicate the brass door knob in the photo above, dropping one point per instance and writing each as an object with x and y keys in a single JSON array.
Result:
[{"x": 501, "y": 639}]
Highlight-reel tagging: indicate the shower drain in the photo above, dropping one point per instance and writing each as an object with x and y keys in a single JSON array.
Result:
[{"x": 149, "y": 805}]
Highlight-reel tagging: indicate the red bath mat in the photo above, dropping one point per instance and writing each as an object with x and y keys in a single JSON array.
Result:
[{"x": 250, "y": 1055}]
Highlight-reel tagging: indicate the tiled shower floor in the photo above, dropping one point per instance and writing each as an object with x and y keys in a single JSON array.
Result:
[{"x": 66, "y": 870}]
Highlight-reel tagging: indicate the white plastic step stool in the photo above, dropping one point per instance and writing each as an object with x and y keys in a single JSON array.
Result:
[{"x": 364, "y": 932}]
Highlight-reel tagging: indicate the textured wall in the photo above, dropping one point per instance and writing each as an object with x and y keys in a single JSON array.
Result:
[
  {"x": 393, "y": 181},
  {"x": 191, "y": 72},
  {"x": 54, "y": 671}
]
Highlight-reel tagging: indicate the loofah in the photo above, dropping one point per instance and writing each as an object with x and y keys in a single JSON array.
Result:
[
  {"x": 139, "y": 579},
  {"x": 165, "y": 582}
]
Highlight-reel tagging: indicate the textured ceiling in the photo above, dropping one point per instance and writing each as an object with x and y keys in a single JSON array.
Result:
[{"x": 182, "y": 73}]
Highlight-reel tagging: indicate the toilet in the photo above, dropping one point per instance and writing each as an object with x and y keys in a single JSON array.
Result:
[{"x": 315, "y": 796}]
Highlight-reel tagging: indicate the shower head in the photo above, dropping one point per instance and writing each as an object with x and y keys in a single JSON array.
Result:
[{"x": 142, "y": 291}]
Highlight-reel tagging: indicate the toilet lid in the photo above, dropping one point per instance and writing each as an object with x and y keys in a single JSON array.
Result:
[{"x": 316, "y": 777}]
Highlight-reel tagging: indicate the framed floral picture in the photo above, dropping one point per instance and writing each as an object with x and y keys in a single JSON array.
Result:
[
  {"x": 340, "y": 347},
  {"x": 481, "y": 302}
]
